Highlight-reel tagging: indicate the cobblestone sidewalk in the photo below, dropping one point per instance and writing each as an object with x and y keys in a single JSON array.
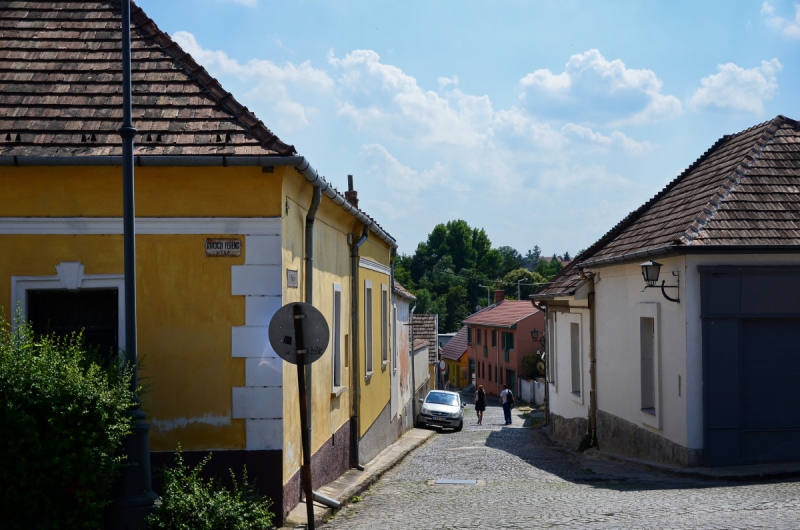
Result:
[{"x": 524, "y": 482}]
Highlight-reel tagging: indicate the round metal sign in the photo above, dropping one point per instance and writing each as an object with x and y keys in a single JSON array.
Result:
[
  {"x": 313, "y": 328},
  {"x": 442, "y": 366}
]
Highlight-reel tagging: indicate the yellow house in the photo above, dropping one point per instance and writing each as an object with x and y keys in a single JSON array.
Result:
[
  {"x": 229, "y": 219},
  {"x": 455, "y": 356}
]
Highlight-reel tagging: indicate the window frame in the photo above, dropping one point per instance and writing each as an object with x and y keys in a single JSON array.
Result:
[
  {"x": 651, "y": 310},
  {"x": 384, "y": 325},
  {"x": 336, "y": 338},
  {"x": 368, "y": 351}
]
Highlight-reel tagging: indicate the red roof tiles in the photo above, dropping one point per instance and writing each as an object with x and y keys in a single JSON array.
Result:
[
  {"x": 502, "y": 314},
  {"x": 425, "y": 329},
  {"x": 457, "y": 346}
]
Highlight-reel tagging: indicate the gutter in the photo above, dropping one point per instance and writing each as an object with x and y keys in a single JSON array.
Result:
[
  {"x": 300, "y": 163},
  {"x": 354, "y": 245},
  {"x": 592, "y": 361}
]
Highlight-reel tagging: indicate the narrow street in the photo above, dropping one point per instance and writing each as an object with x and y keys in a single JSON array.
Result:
[{"x": 524, "y": 482}]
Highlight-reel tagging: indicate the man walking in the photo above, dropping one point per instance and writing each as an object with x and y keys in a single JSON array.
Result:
[{"x": 507, "y": 399}]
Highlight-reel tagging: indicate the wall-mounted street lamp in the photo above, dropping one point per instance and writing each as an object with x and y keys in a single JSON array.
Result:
[
  {"x": 651, "y": 271},
  {"x": 537, "y": 336}
]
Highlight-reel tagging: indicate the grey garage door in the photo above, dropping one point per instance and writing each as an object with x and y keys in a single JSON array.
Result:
[{"x": 751, "y": 364}]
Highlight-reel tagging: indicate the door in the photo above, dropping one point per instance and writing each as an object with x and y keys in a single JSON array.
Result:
[
  {"x": 92, "y": 311},
  {"x": 511, "y": 381}
]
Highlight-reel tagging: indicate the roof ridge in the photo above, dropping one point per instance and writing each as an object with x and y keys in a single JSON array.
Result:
[
  {"x": 693, "y": 231},
  {"x": 224, "y": 98}
]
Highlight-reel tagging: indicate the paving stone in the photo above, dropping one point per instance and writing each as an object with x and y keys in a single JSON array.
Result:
[{"x": 525, "y": 482}]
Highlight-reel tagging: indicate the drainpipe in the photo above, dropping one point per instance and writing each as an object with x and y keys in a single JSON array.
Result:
[
  {"x": 354, "y": 245},
  {"x": 550, "y": 358},
  {"x": 592, "y": 360},
  {"x": 413, "y": 369}
]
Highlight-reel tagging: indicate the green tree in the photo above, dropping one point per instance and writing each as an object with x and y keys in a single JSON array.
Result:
[
  {"x": 524, "y": 276},
  {"x": 548, "y": 269}
]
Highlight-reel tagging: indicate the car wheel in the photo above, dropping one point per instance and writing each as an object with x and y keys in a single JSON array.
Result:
[{"x": 460, "y": 426}]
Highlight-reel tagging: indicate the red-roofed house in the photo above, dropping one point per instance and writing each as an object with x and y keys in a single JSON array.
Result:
[{"x": 498, "y": 338}]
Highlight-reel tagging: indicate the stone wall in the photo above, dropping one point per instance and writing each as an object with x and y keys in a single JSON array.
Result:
[
  {"x": 616, "y": 435},
  {"x": 567, "y": 430}
]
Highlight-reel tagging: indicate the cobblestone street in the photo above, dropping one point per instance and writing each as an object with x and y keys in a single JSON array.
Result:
[{"x": 524, "y": 482}]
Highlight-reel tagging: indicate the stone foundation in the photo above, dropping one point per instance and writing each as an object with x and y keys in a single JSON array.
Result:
[
  {"x": 616, "y": 435},
  {"x": 568, "y": 430}
]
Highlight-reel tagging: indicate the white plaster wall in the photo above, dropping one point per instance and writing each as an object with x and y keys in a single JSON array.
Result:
[
  {"x": 694, "y": 328},
  {"x": 620, "y": 303},
  {"x": 421, "y": 373},
  {"x": 401, "y": 374},
  {"x": 562, "y": 401}
]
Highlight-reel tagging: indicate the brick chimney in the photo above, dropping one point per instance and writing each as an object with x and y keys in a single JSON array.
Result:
[
  {"x": 351, "y": 195},
  {"x": 499, "y": 295}
]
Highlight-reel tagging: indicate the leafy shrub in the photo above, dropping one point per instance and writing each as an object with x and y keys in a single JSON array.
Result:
[
  {"x": 529, "y": 363},
  {"x": 190, "y": 503},
  {"x": 62, "y": 419}
]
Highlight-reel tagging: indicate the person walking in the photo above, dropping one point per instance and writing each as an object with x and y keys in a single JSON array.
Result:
[
  {"x": 507, "y": 399},
  {"x": 480, "y": 403}
]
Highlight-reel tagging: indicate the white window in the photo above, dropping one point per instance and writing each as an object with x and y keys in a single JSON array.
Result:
[
  {"x": 384, "y": 325},
  {"x": 368, "y": 326},
  {"x": 395, "y": 330},
  {"x": 575, "y": 357},
  {"x": 647, "y": 355},
  {"x": 336, "y": 335}
]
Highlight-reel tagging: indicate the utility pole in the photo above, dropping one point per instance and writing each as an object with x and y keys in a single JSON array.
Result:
[{"x": 133, "y": 492}]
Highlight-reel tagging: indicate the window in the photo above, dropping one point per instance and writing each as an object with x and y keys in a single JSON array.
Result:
[
  {"x": 494, "y": 338},
  {"x": 647, "y": 343},
  {"x": 505, "y": 356},
  {"x": 485, "y": 351},
  {"x": 501, "y": 374},
  {"x": 478, "y": 336},
  {"x": 575, "y": 357},
  {"x": 508, "y": 340},
  {"x": 336, "y": 335},
  {"x": 490, "y": 372},
  {"x": 384, "y": 325},
  {"x": 368, "y": 326},
  {"x": 469, "y": 335},
  {"x": 395, "y": 330}
]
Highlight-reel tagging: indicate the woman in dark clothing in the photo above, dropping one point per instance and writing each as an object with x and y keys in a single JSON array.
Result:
[{"x": 480, "y": 403}]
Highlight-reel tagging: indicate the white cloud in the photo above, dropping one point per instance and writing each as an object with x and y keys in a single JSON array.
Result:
[
  {"x": 790, "y": 28},
  {"x": 615, "y": 139},
  {"x": 402, "y": 179},
  {"x": 593, "y": 86},
  {"x": 444, "y": 81},
  {"x": 738, "y": 89},
  {"x": 594, "y": 177},
  {"x": 272, "y": 81},
  {"x": 385, "y": 99}
]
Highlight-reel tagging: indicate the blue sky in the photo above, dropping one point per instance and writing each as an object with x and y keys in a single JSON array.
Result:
[{"x": 543, "y": 122}]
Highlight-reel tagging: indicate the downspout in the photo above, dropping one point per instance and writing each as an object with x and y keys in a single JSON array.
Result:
[
  {"x": 413, "y": 369},
  {"x": 354, "y": 245},
  {"x": 549, "y": 353},
  {"x": 592, "y": 360}
]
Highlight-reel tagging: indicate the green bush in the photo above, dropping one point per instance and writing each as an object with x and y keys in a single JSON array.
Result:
[
  {"x": 190, "y": 503},
  {"x": 62, "y": 420}
]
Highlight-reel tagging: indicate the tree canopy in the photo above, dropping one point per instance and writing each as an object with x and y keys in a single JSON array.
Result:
[{"x": 450, "y": 271}]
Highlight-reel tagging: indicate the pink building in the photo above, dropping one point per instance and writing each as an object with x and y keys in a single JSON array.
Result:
[{"x": 498, "y": 337}]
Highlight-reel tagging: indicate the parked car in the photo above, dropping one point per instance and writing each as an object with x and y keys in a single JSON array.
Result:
[{"x": 441, "y": 409}]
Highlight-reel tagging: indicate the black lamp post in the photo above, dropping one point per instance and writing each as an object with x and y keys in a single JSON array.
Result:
[
  {"x": 537, "y": 336},
  {"x": 650, "y": 272},
  {"x": 133, "y": 492}
]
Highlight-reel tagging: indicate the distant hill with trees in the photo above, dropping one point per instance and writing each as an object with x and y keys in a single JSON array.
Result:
[{"x": 447, "y": 270}]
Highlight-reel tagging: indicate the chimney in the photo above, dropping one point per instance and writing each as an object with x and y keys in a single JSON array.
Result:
[
  {"x": 351, "y": 195},
  {"x": 499, "y": 295}
]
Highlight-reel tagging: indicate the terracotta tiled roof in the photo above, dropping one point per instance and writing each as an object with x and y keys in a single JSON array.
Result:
[
  {"x": 505, "y": 313},
  {"x": 402, "y": 291},
  {"x": 419, "y": 344},
  {"x": 566, "y": 282},
  {"x": 745, "y": 190},
  {"x": 61, "y": 88},
  {"x": 457, "y": 346},
  {"x": 425, "y": 329}
]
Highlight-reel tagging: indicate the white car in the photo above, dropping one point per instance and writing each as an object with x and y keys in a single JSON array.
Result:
[{"x": 442, "y": 409}]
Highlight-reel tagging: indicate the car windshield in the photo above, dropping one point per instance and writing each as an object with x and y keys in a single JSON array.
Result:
[{"x": 440, "y": 398}]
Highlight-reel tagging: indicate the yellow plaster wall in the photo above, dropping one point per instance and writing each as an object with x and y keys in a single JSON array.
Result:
[
  {"x": 160, "y": 192},
  {"x": 331, "y": 265},
  {"x": 185, "y": 312}
]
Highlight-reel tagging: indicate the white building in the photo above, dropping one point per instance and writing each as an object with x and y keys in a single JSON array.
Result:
[{"x": 705, "y": 371}]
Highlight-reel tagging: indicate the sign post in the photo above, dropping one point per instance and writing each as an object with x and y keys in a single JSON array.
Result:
[{"x": 299, "y": 335}]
